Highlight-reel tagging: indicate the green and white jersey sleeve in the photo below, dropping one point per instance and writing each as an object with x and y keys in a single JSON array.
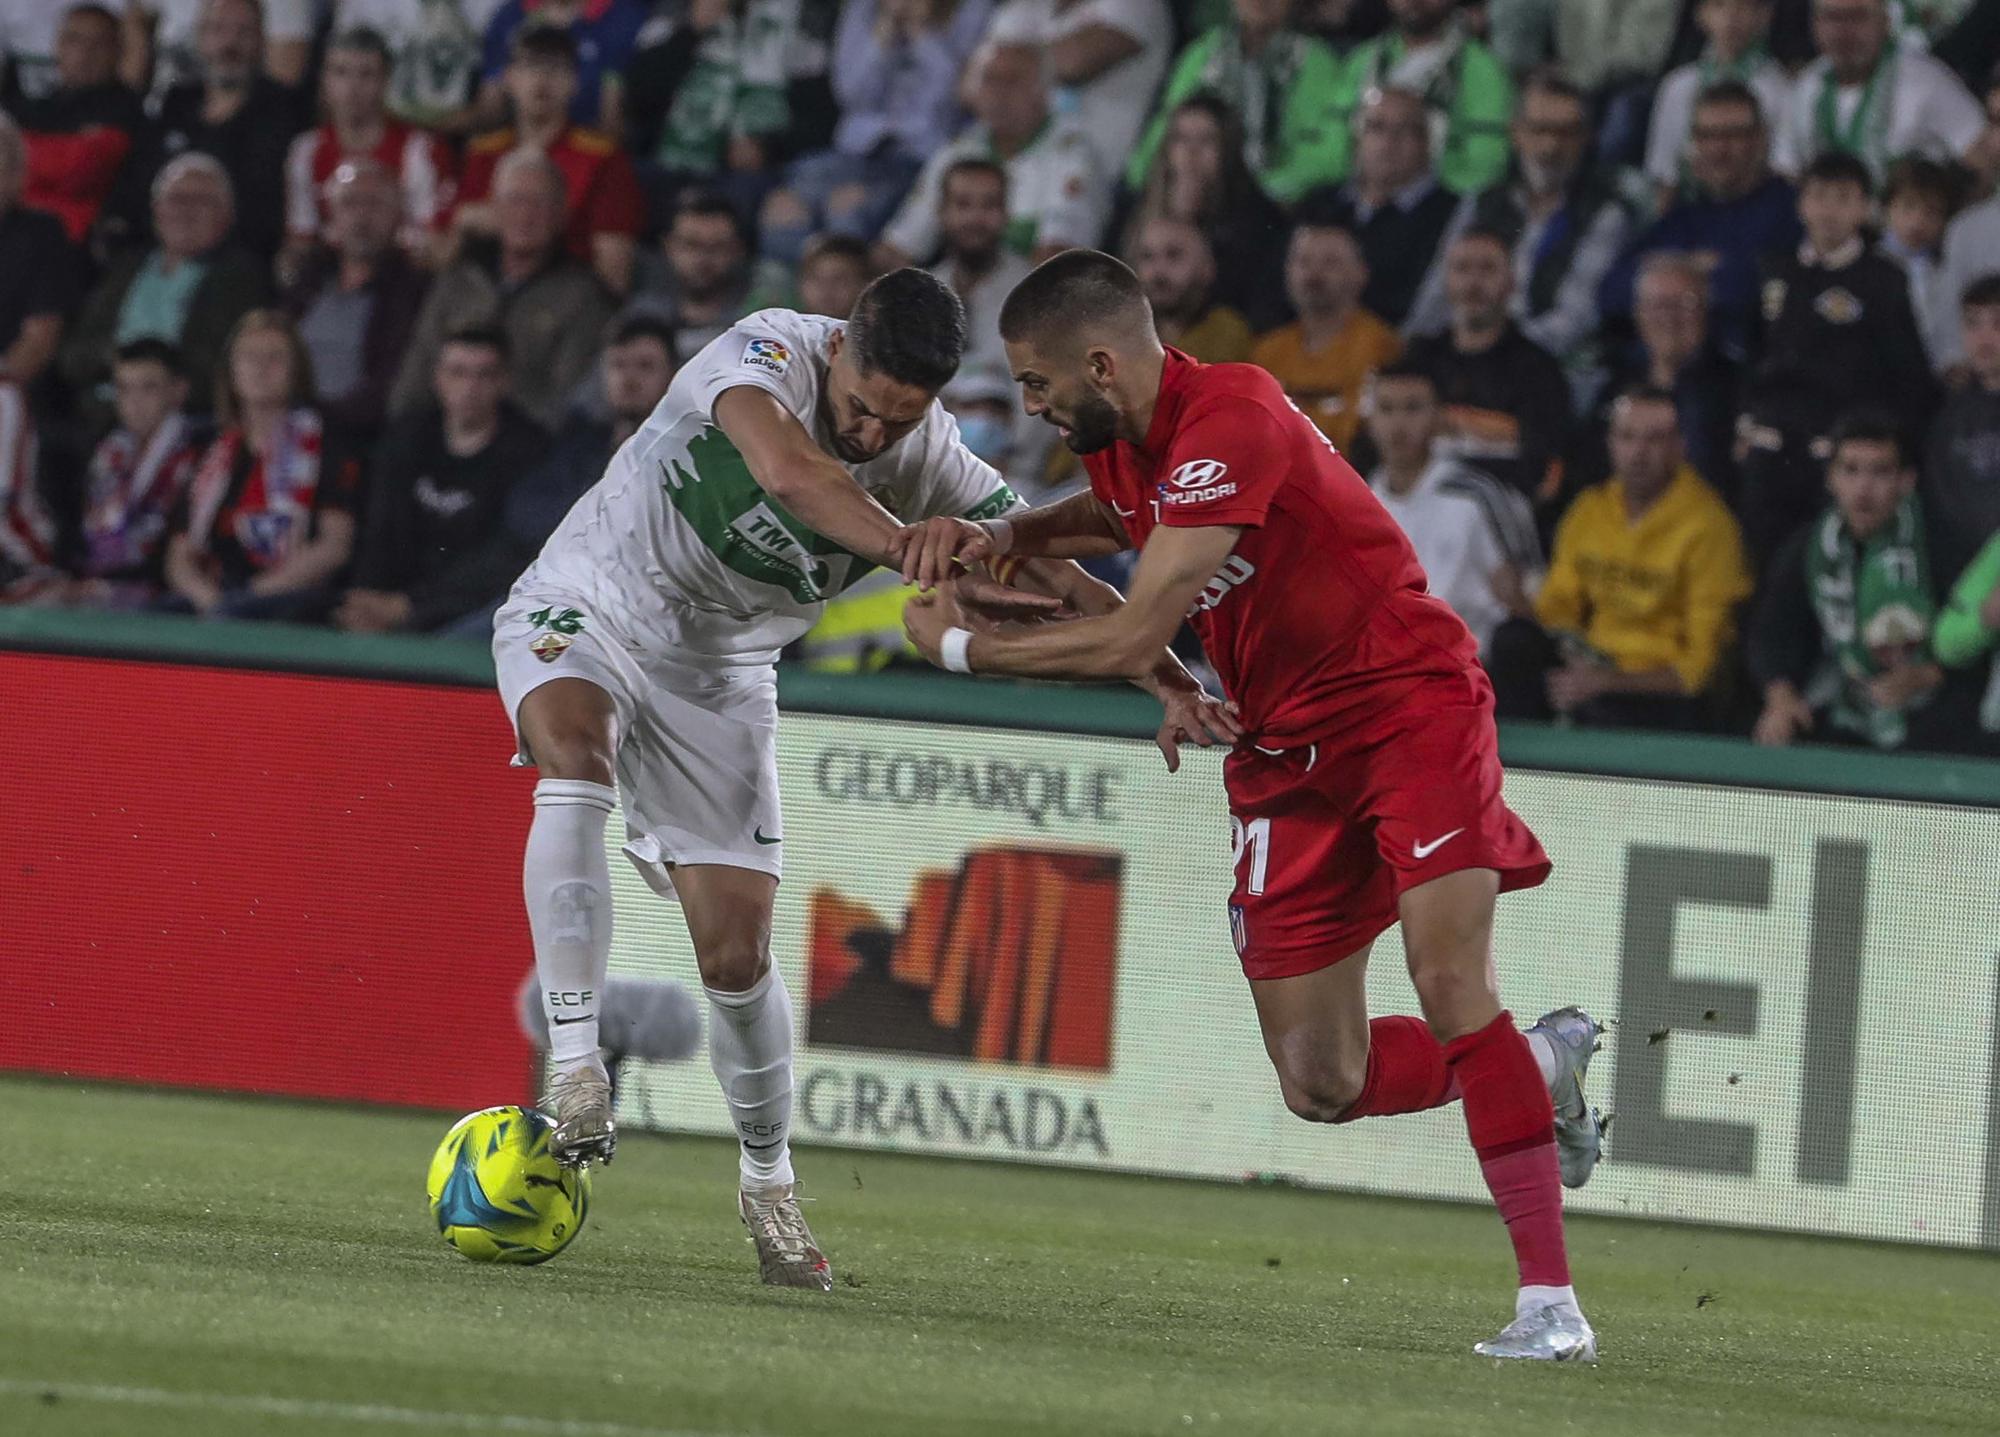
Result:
[{"x": 678, "y": 548}]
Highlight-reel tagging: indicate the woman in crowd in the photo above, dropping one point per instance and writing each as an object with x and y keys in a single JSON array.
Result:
[{"x": 268, "y": 523}]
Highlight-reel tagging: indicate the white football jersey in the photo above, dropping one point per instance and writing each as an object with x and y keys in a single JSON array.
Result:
[{"x": 678, "y": 547}]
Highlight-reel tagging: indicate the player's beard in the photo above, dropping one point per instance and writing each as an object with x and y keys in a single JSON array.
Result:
[{"x": 1094, "y": 426}]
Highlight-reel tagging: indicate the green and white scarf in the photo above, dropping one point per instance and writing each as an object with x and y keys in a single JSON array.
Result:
[
  {"x": 1258, "y": 88},
  {"x": 1866, "y": 133},
  {"x": 1873, "y": 598},
  {"x": 735, "y": 87}
]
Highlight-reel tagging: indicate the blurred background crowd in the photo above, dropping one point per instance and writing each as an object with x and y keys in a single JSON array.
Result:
[{"x": 1669, "y": 329}]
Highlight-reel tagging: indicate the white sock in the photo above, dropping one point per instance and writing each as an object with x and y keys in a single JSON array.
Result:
[
  {"x": 567, "y": 883},
  {"x": 1534, "y": 1299},
  {"x": 750, "y": 1048},
  {"x": 1544, "y": 1048}
]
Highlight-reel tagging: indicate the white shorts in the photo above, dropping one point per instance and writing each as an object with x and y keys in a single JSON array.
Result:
[{"x": 697, "y": 747}]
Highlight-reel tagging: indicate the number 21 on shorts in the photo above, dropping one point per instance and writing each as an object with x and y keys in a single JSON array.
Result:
[{"x": 1253, "y": 837}]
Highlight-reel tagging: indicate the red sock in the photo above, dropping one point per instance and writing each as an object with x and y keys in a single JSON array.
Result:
[
  {"x": 1406, "y": 1071},
  {"x": 1512, "y": 1126}
]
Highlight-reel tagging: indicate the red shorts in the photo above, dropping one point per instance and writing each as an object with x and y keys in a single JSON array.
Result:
[{"x": 1328, "y": 837}]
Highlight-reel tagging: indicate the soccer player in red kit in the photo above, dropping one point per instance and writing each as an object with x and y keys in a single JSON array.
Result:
[{"x": 1366, "y": 788}]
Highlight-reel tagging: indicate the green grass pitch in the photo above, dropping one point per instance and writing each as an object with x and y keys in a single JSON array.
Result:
[{"x": 186, "y": 1265}]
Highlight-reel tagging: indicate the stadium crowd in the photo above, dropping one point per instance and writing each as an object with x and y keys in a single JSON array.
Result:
[{"x": 1668, "y": 329}]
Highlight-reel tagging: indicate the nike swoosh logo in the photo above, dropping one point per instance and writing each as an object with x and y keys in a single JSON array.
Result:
[
  {"x": 758, "y": 834},
  {"x": 1425, "y": 850},
  {"x": 565, "y": 1022},
  {"x": 763, "y": 1147}
]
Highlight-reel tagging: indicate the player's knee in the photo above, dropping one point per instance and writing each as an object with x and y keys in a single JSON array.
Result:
[
  {"x": 1323, "y": 1092},
  {"x": 731, "y": 964},
  {"x": 1445, "y": 987},
  {"x": 580, "y": 752}
]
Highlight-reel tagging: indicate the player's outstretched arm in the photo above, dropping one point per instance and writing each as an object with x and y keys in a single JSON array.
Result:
[
  {"x": 1174, "y": 567},
  {"x": 810, "y": 483},
  {"x": 1079, "y": 527}
]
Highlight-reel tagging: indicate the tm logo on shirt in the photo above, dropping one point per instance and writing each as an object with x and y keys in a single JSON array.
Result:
[
  {"x": 1197, "y": 482},
  {"x": 767, "y": 354}
]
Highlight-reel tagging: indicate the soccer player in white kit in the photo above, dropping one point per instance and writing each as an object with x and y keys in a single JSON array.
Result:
[{"x": 638, "y": 649}]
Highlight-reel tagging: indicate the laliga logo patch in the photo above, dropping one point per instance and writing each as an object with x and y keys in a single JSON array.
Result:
[
  {"x": 767, "y": 354},
  {"x": 549, "y": 647}
]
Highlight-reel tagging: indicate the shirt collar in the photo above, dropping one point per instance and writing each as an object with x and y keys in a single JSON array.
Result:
[
  {"x": 1841, "y": 258},
  {"x": 1174, "y": 376}
]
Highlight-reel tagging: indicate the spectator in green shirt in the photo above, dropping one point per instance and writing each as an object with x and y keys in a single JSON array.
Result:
[
  {"x": 1282, "y": 83},
  {"x": 1467, "y": 92},
  {"x": 1969, "y": 627}
]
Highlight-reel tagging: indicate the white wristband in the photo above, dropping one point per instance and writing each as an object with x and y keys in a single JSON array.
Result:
[
  {"x": 952, "y": 650},
  {"x": 1001, "y": 532}
]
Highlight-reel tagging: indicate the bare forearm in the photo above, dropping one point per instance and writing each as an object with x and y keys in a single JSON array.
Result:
[
  {"x": 829, "y": 502},
  {"x": 1093, "y": 598},
  {"x": 1101, "y": 648},
  {"x": 1076, "y": 528}
]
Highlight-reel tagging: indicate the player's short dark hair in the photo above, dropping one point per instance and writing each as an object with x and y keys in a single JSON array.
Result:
[
  {"x": 1837, "y": 167},
  {"x": 545, "y": 43},
  {"x": 1870, "y": 426},
  {"x": 645, "y": 326},
  {"x": 363, "y": 40},
  {"x": 94, "y": 12},
  {"x": 480, "y": 336},
  {"x": 1925, "y": 179},
  {"x": 701, "y": 202},
  {"x": 151, "y": 349},
  {"x": 1082, "y": 290},
  {"x": 1982, "y": 293},
  {"x": 851, "y": 248},
  {"x": 910, "y": 326},
  {"x": 1732, "y": 92}
]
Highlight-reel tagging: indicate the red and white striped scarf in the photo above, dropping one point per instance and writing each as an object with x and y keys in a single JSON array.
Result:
[
  {"x": 273, "y": 514},
  {"x": 27, "y": 533},
  {"x": 131, "y": 490}
]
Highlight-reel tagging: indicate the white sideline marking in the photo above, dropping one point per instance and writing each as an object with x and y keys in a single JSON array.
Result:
[{"x": 341, "y": 1411}]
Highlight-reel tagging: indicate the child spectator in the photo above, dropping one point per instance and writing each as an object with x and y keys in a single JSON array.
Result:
[
  {"x": 1841, "y": 642},
  {"x": 1638, "y": 610},
  {"x": 601, "y": 200},
  {"x": 1961, "y": 483},
  {"x": 1283, "y": 83},
  {"x": 268, "y": 520},
  {"x": 436, "y": 497},
  {"x": 1917, "y": 205},
  {"x": 1736, "y": 33},
  {"x": 1838, "y": 333},
  {"x": 1324, "y": 357},
  {"x": 137, "y": 476}
]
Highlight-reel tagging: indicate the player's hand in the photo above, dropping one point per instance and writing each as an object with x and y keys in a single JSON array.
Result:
[
  {"x": 927, "y": 616},
  {"x": 1195, "y": 716},
  {"x": 938, "y": 548},
  {"x": 987, "y": 603}
]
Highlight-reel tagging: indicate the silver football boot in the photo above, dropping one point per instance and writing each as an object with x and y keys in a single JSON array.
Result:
[
  {"x": 787, "y": 1256},
  {"x": 579, "y": 1103},
  {"x": 1555, "y": 1333},
  {"x": 1579, "y": 1127}
]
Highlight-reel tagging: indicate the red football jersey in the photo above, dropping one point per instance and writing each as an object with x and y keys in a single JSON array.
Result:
[
  {"x": 1321, "y": 616},
  {"x": 603, "y": 190}
]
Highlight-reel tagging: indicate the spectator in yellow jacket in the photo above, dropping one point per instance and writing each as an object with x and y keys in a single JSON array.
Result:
[{"x": 1639, "y": 606}]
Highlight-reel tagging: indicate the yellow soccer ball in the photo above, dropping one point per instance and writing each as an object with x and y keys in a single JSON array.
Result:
[{"x": 498, "y": 1195}]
